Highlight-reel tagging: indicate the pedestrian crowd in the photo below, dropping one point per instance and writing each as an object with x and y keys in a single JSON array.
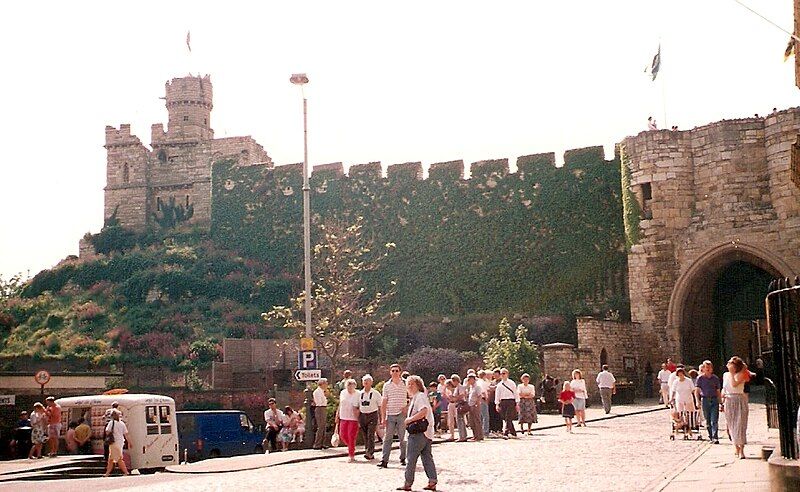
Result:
[
  {"x": 487, "y": 402},
  {"x": 699, "y": 396}
]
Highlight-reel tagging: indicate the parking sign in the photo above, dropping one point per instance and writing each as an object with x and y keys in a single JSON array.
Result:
[{"x": 306, "y": 359}]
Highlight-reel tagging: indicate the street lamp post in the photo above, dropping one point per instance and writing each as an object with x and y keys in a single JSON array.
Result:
[{"x": 301, "y": 79}]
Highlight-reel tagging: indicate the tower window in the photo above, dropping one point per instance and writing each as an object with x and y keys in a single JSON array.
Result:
[
  {"x": 187, "y": 201},
  {"x": 126, "y": 173},
  {"x": 647, "y": 191},
  {"x": 205, "y": 121},
  {"x": 158, "y": 204},
  {"x": 185, "y": 118},
  {"x": 647, "y": 197}
]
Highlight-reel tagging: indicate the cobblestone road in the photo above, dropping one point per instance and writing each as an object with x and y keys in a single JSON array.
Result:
[{"x": 628, "y": 453}]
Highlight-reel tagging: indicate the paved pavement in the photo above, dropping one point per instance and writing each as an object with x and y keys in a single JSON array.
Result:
[{"x": 628, "y": 453}]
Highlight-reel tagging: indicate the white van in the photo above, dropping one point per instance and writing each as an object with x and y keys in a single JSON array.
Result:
[{"x": 150, "y": 420}]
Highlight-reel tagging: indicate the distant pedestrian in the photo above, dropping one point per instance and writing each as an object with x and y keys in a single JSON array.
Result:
[
  {"x": 347, "y": 417},
  {"x": 289, "y": 427},
  {"x": 118, "y": 432},
  {"x": 69, "y": 438},
  {"x": 461, "y": 411},
  {"x": 38, "y": 430},
  {"x": 273, "y": 417},
  {"x": 419, "y": 438},
  {"x": 483, "y": 384},
  {"x": 648, "y": 380},
  {"x": 735, "y": 403},
  {"x": 107, "y": 417},
  {"x": 578, "y": 385},
  {"x": 495, "y": 421},
  {"x": 671, "y": 366},
  {"x": 53, "y": 425},
  {"x": 566, "y": 398},
  {"x": 709, "y": 387},
  {"x": 681, "y": 395},
  {"x": 83, "y": 434},
  {"x": 451, "y": 408},
  {"x": 341, "y": 385},
  {"x": 393, "y": 410},
  {"x": 474, "y": 402},
  {"x": 663, "y": 381},
  {"x": 370, "y": 404},
  {"x": 527, "y": 403},
  {"x": 607, "y": 384},
  {"x": 651, "y": 123},
  {"x": 320, "y": 412},
  {"x": 436, "y": 404},
  {"x": 506, "y": 399}
]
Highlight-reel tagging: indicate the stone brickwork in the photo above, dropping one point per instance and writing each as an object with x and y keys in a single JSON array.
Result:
[
  {"x": 140, "y": 180},
  {"x": 621, "y": 341},
  {"x": 708, "y": 197}
]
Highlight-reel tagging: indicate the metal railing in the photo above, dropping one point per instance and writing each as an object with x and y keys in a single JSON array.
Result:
[
  {"x": 771, "y": 402},
  {"x": 783, "y": 322}
]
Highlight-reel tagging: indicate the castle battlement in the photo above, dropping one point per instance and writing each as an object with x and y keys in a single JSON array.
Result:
[
  {"x": 527, "y": 166},
  {"x": 121, "y": 136}
]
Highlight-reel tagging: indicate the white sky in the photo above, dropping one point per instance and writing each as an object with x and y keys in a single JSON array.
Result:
[{"x": 421, "y": 81}]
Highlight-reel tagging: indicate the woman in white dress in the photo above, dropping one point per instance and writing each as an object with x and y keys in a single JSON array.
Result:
[{"x": 734, "y": 403}]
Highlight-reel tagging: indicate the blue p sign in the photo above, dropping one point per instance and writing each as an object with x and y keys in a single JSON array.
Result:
[{"x": 307, "y": 359}]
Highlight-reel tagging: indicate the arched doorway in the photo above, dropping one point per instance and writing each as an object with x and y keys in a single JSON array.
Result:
[{"x": 718, "y": 304}]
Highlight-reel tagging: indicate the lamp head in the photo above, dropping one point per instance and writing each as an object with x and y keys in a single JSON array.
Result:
[{"x": 298, "y": 79}]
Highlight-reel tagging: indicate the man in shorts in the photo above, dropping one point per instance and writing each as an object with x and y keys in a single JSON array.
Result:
[
  {"x": 119, "y": 430},
  {"x": 53, "y": 425}
]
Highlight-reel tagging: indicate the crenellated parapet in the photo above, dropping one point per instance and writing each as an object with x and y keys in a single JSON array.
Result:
[{"x": 121, "y": 136}]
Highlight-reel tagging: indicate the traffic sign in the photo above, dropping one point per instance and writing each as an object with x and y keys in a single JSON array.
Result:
[
  {"x": 307, "y": 374},
  {"x": 306, "y": 343},
  {"x": 42, "y": 377},
  {"x": 306, "y": 359}
]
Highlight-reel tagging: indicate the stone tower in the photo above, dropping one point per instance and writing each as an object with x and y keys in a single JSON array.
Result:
[
  {"x": 189, "y": 104},
  {"x": 719, "y": 216},
  {"x": 141, "y": 180}
]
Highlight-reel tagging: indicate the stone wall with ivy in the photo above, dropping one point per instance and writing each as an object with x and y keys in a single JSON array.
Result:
[{"x": 544, "y": 239}]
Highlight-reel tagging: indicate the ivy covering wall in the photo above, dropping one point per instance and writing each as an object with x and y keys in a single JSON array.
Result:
[
  {"x": 630, "y": 205},
  {"x": 544, "y": 239}
]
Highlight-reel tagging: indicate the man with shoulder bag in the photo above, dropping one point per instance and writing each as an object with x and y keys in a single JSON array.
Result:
[{"x": 369, "y": 404}]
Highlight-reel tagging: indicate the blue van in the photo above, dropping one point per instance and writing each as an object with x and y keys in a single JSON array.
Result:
[{"x": 213, "y": 433}]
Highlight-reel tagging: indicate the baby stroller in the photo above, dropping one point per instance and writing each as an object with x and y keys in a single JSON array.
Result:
[{"x": 685, "y": 421}]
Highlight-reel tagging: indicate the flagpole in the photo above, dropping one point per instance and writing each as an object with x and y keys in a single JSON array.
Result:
[{"x": 663, "y": 89}]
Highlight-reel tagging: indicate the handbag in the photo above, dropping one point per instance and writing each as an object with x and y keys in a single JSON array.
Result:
[
  {"x": 335, "y": 437},
  {"x": 417, "y": 426},
  {"x": 462, "y": 408},
  {"x": 109, "y": 437}
]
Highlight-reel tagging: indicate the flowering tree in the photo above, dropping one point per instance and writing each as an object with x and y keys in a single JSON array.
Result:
[{"x": 341, "y": 308}]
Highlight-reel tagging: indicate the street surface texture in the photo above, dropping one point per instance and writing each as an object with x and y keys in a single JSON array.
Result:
[{"x": 627, "y": 453}]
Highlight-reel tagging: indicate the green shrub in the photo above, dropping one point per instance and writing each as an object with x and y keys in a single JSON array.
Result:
[
  {"x": 135, "y": 289},
  {"x": 48, "y": 281},
  {"x": 113, "y": 238}
]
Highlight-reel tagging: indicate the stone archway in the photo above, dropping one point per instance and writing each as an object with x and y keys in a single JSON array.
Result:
[{"x": 715, "y": 301}]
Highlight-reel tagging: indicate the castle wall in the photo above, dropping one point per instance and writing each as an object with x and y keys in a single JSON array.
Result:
[
  {"x": 541, "y": 237},
  {"x": 722, "y": 189}
]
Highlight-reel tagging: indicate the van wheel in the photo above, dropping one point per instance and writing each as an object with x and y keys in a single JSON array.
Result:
[
  {"x": 259, "y": 449},
  {"x": 214, "y": 453}
]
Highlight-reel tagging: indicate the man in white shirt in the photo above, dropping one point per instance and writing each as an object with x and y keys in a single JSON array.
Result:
[
  {"x": 273, "y": 417},
  {"x": 663, "y": 380},
  {"x": 393, "y": 415},
  {"x": 506, "y": 400},
  {"x": 320, "y": 412},
  {"x": 369, "y": 404},
  {"x": 607, "y": 384}
]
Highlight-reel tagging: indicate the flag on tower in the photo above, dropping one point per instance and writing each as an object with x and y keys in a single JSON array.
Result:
[
  {"x": 789, "y": 49},
  {"x": 655, "y": 65},
  {"x": 189, "y": 40}
]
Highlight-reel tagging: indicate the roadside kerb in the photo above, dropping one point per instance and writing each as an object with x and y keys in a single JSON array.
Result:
[{"x": 187, "y": 469}]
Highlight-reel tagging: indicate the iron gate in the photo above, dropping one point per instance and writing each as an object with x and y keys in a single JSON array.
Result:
[{"x": 783, "y": 321}]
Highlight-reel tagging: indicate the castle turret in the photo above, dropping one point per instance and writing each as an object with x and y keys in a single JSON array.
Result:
[
  {"x": 127, "y": 177},
  {"x": 189, "y": 103}
]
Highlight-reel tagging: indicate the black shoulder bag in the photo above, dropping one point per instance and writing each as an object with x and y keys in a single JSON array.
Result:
[{"x": 417, "y": 426}]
